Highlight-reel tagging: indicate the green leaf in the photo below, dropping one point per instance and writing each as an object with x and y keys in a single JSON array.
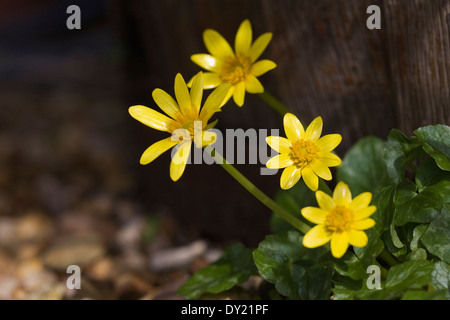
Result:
[
  {"x": 234, "y": 267},
  {"x": 293, "y": 200},
  {"x": 349, "y": 265},
  {"x": 297, "y": 272},
  {"x": 417, "y": 234},
  {"x": 346, "y": 288},
  {"x": 418, "y": 254},
  {"x": 440, "y": 277},
  {"x": 400, "y": 151},
  {"x": 436, "y": 238},
  {"x": 410, "y": 275},
  {"x": 373, "y": 248},
  {"x": 425, "y": 295},
  {"x": 422, "y": 206},
  {"x": 428, "y": 174},
  {"x": 393, "y": 242},
  {"x": 383, "y": 199},
  {"x": 436, "y": 142},
  {"x": 363, "y": 167},
  {"x": 419, "y": 279},
  {"x": 395, "y": 239}
]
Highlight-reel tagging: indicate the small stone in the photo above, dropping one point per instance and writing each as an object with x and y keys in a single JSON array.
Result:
[
  {"x": 33, "y": 227},
  {"x": 176, "y": 257},
  {"x": 79, "y": 250},
  {"x": 101, "y": 270}
]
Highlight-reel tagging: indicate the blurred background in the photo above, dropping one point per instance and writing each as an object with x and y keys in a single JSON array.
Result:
[{"x": 71, "y": 187}]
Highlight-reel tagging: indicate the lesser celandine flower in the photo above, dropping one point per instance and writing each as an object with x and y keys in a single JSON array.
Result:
[
  {"x": 185, "y": 119},
  {"x": 340, "y": 219},
  {"x": 238, "y": 67},
  {"x": 303, "y": 153}
]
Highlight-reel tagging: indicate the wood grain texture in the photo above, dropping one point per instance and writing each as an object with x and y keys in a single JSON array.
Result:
[
  {"x": 362, "y": 82},
  {"x": 419, "y": 56}
]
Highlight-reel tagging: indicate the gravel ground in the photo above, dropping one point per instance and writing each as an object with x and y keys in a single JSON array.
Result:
[{"x": 66, "y": 186}]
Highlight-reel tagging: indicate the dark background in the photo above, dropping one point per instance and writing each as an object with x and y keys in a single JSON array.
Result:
[{"x": 68, "y": 144}]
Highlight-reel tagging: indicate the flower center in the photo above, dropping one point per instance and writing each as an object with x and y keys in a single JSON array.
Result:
[
  {"x": 235, "y": 69},
  {"x": 186, "y": 127},
  {"x": 189, "y": 125},
  {"x": 339, "y": 219},
  {"x": 303, "y": 152}
]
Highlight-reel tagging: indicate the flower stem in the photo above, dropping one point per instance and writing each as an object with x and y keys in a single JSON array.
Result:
[
  {"x": 274, "y": 103},
  {"x": 386, "y": 257},
  {"x": 324, "y": 187},
  {"x": 247, "y": 184}
]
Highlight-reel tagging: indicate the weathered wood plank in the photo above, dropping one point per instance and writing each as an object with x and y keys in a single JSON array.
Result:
[
  {"x": 419, "y": 55},
  {"x": 360, "y": 81}
]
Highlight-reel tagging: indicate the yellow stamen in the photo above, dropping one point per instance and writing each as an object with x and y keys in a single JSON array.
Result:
[
  {"x": 235, "y": 69},
  {"x": 303, "y": 152},
  {"x": 339, "y": 219}
]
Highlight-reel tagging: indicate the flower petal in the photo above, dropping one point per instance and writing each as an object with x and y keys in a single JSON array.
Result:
[
  {"x": 152, "y": 118},
  {"x": 325, "y": 201},
  {"x": 361, "y": 201},
  {"x": 293, "y": 127},
  {"x": 279, "y": 144},
  {"x": 342, "y": 193},
  {"x": 179, "y": 160},
  {"x": 216, "y": 44},
  {"x": 253, "y": 85},
  {"x": 315, "y": 215},
  {"x": 196, "y": 93},
  {"x": 329, "y": 142},
  {"x": 211, "y": 80},
  {"x": 209, "y": 137},
  {"x": 259, "y": 46},
  {"x": 229, "y": 94},
  {"x": 339, "y": 244},
  {"x": 239, "y": 94},
  {"x": 290, "y": 177},
  {"x": 156, "y": 149},
  {"x": 262, "y": 66},
  {"x": 314, "y": 129},
  {"x": 363, "y": 224},
  {"x": 310, "y": 178},
  {"x": 198, "y": 134},
  {"x": 364, "y": 213},
  {"x": 166, "y": 103},
  {"x": 357, "y": 238},
  {"x": 214, "y": 102},
  {"x": 329, "y": 159},
  {"x": 321, "y": 170},
  {"x": 182, "y": 94},
  {"x": 207, "y": 61},
  {"x": 280, "y": 161},
  {"x": 244, "y": 36},
  {"x": 316, "y": 237}
]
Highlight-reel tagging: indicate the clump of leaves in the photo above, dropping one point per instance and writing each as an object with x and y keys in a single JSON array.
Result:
[{"x": 408, "y": 254}]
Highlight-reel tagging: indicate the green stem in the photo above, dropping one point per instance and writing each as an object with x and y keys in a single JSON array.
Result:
[
  {"x": 386, "y": 257},
  {"x": 274, "y": 103},
  {"x": 324, "y": 187},
  {"x": 247, "y": 184}
]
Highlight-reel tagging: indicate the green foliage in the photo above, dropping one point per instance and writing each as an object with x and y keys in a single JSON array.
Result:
[
  {"x": 293, "y": 200},
  {"x": 363, "y": 167},
  {"x": 409, "y": 178},
  {"x": 297, "y": 272},
  {"x": 234, "y": 267},
  {"x": 436, "y": 142}
]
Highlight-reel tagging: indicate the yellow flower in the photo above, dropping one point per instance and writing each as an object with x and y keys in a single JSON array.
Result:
[
  {"x": 303, "y": 153},
  {"x": 186, "y": 120},
  {"x": 238, "y": 67},
  {"x": 339, "y": 220}
]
